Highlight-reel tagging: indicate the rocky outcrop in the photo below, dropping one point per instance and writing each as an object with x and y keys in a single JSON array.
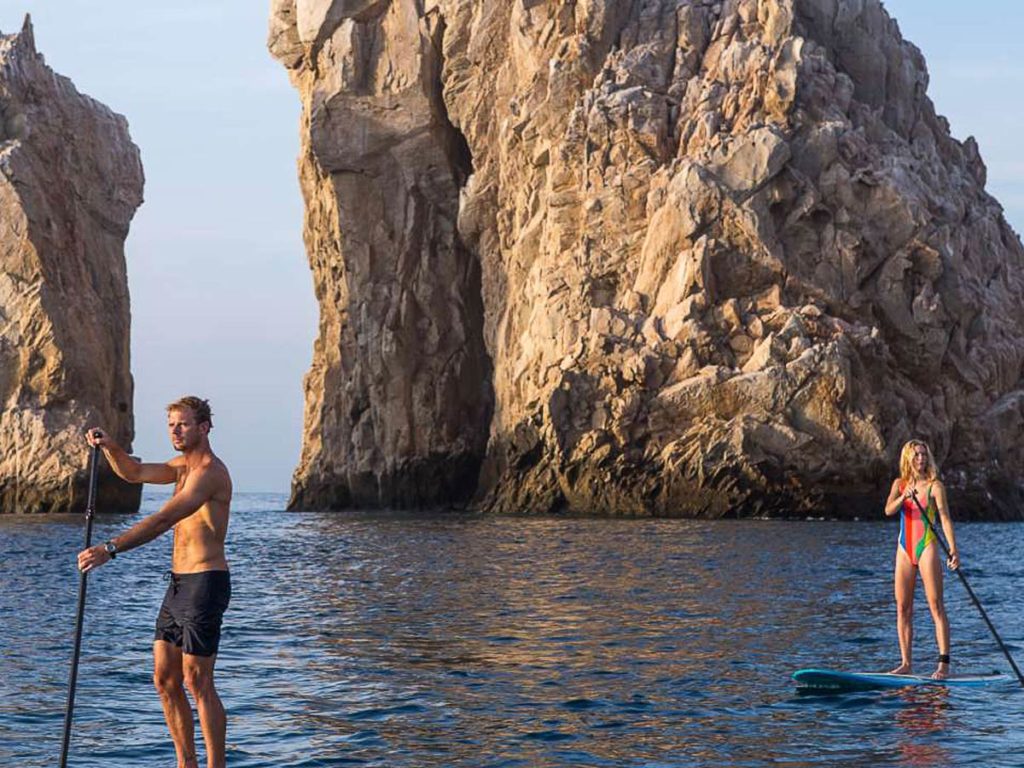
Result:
[
  {"x": 398, "y": 400},
  {"x": 70, "y": 181},
  {"x": 729, "y": 259}
]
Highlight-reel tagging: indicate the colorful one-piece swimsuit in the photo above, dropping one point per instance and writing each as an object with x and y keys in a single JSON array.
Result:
[{"x": 915, "y": 535}]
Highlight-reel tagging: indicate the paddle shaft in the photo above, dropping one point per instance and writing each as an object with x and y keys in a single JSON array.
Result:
[
  {"x": 90, "y": 508},
  {"x": 974, "y": 598}
]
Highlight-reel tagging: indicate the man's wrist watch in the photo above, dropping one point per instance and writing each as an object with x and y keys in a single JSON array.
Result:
[{"x": 111, "y": 549}]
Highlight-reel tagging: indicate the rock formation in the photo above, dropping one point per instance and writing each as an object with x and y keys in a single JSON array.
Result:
[
  {"x": 70, "y": 181},
  {"x": 398, "y": 400},
  {"x": 673, "y": 257}
]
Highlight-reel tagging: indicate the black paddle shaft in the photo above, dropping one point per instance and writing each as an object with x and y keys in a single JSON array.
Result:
[
  {"x": 90, "y": 508},
  {"x": 974, "y": 598}
]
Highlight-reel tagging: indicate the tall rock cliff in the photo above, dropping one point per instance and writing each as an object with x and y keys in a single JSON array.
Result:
[
  {"x": 70, "y": 181},
  {"x": 398, "y": 400},
  {"x": 724, "y": 258}
]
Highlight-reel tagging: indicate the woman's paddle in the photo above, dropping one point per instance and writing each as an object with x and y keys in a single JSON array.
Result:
[
  {"x": 977, "y": 603},
  {"x": 90, "y": 508}
]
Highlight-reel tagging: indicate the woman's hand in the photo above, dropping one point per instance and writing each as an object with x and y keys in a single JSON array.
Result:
[{"x": 953, "y": 561}]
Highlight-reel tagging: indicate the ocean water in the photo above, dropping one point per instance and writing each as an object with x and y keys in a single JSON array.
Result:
[{"x": 362, "y": 640}]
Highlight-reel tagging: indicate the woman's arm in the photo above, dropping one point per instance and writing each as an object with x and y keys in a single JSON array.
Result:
[
  {"x": 947, "y": 524},
  {"x": 892, "y": 506}
]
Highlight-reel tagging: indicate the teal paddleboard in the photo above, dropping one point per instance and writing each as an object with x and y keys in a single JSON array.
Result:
[{"x": 833, "y": 680}]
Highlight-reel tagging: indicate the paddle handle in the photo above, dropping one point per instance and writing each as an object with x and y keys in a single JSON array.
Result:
[
  {"x": 90, "y": 509},
  {"x": 974, "y": 598}
]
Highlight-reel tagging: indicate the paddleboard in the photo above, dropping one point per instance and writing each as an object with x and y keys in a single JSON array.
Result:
[{"x": 833, "y": 680}]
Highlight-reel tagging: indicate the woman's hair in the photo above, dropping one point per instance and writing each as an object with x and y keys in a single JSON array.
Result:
[{"x": 931, "y": 472}]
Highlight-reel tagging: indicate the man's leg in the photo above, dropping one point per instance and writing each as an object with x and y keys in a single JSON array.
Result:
[
  {"x": 198, "y": 671},
  {"x": 168, "y": 675}
]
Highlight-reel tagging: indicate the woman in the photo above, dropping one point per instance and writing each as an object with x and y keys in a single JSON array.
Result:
[{"x": 919, "y": 486}]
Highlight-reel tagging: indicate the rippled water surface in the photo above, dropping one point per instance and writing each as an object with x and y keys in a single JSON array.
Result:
[{"x": 398, "y": 641}]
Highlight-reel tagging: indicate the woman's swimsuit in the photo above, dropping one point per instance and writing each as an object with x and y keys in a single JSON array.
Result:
[{"x": 916, "y": 535}]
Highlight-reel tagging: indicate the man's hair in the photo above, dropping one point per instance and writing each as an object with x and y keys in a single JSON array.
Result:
[{"x": 198, "y": 406}]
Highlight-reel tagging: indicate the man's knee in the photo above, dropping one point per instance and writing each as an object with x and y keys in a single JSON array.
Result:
[
  {"x": 166, "y": 681},
  {"x": 198, "y": 678},
  {"x": 166, "y": 668}
]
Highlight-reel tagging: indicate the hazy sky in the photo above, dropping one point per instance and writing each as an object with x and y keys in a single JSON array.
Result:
[
  {"x": 221, "y": 292},
  {"x": 222, "y": 297}
]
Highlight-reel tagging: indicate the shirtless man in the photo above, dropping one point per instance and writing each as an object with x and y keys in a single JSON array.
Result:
[{"x": 188, "y": 627}]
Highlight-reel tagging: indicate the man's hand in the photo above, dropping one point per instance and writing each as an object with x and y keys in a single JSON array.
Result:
[
  {"x": 92, "y": 558},
  {"x": 95, "y": 436}
]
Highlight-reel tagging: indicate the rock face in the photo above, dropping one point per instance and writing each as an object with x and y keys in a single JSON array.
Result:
[
  {"x": 673, "y": 257},
  {"x": 398, "y": 400},
  {"x": 70, "y": 181}
]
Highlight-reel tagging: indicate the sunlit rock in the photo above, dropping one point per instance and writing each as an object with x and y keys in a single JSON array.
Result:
[
  {"x": 70, "y": 181},
  {"x": 729, "y": 259}
]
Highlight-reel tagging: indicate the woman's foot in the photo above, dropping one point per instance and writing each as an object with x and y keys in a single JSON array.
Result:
[
  {"x": 902, "y": 669},
  {"x": 942, "y": 671}
]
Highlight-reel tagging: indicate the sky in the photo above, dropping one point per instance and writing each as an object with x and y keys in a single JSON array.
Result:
[{"x": 221, "y": 292}]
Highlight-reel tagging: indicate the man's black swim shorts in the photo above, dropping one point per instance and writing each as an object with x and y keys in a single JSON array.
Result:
[{"x": 191, "y": 613}]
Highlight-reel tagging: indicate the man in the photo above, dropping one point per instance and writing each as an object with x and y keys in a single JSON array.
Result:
[{"x": 188, "y": 626}]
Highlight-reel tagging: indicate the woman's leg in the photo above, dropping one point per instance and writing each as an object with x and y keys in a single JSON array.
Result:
[
  {"x": 904, "y": 581},
  {"x": 931, "y": 577}
]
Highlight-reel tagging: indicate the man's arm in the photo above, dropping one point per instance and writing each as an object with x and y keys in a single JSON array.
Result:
[
  {"x": 128, "y": 468},
  {"x": 198, "y": 489}
]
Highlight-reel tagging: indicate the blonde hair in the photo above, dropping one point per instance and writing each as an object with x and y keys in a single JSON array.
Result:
[
  {"x": 907, "y": 461},
  {"x": 198, "y": 406}
]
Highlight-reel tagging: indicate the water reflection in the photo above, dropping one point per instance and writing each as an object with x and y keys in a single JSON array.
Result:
[
  {"x": 475, "y": 642},
  {"x": 923, "y": 718}
]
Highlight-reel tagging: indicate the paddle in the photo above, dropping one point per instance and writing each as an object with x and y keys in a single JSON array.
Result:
[
  {"x": 90, "y": 508},
  {"x": 974, "y": 598}
]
